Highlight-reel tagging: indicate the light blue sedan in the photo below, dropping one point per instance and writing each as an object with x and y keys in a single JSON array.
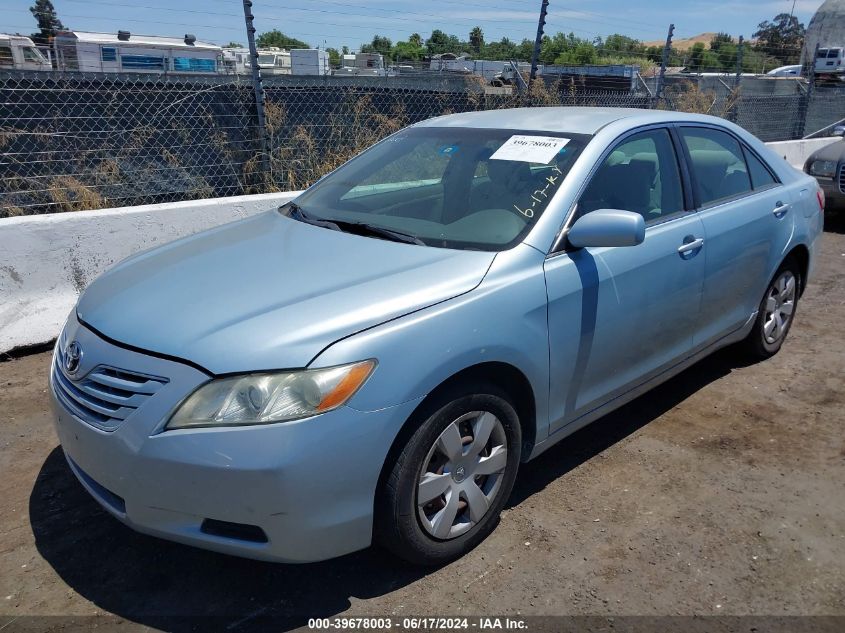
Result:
[{"x": 372, "y": 362}]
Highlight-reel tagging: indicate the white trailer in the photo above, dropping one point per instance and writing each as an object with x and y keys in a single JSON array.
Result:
[
  {"x": 19, "y": 53},
  {"x": 310, "y": 61},
  {"x": 363, "y": 65},
  {"x": 123, "y": 52}
]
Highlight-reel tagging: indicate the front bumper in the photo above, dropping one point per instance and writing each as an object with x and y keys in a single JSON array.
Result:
[{"x": 307, "y": 485}]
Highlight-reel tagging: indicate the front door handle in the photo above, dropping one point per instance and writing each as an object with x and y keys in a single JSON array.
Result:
[
  {"x": 780, "y": 209},
  {"x": 683, "y": 249}
]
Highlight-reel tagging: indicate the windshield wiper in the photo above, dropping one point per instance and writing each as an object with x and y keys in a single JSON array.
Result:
[
  {"x": 297, "y": 213},
  {"x": 380, "y": 231}
]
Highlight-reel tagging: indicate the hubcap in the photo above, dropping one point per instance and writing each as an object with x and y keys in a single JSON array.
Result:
[
  {"x": 780, "y": 304},
  {"x": 462, "y": 474}
]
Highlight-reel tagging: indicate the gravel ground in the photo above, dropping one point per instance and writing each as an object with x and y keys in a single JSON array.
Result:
[{"x": 720, "y": 493}]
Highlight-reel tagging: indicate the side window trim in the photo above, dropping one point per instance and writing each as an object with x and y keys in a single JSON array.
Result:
[{"x": 684, "y": 168}]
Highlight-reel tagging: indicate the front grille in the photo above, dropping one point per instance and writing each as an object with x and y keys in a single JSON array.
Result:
[
  {"x": 106, "y": 396},
  {"x": 842, "y": 178}
]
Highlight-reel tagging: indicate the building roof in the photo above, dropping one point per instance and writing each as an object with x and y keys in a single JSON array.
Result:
[{"x": 138, "y": 40}]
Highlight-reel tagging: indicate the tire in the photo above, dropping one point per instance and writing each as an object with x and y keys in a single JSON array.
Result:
[
  {"x": 426, "y": 534},
  {"x": 772, "y": 324}
]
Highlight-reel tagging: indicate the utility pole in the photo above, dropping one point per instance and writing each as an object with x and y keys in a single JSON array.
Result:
[
  {"x": 258, "y": 89},
  {"x": 811, "y": 88},
  {"x": 739, "y": 50},
  {"x": 538, "y": 41},
  {"x": 661, "y": 78}
]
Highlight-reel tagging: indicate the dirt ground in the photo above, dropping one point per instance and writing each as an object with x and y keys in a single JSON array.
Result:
[{"x": 720, "y": 493}]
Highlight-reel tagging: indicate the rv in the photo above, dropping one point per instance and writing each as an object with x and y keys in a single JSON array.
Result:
[
  {"x": 274, "y": 61},
  {"x": 123, "y": 52},
  {"x": 235, "y": 61},
  {"x": 19, "y": 53}
]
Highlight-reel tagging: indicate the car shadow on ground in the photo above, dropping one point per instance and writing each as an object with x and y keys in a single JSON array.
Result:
[{"x": 166, "y": 585}]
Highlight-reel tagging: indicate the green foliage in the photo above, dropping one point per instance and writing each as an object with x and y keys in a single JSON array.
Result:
[
  {"x": 440, "y": 43},
  {"x": 334, "y": 56},
  {"x": 409, "y": 51},
  {"x": 276, "y": 38},
  {"x": 781, "y": 38},
  {"x": 234, "y": 45},
  {"x": 48, "y": 21},
  {"x": 476, "y": 41},
  {"x": 380, "y": 44}
]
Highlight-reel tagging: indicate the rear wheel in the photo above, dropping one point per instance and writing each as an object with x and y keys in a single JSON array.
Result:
[
  {"x": 448, "y": 485},
  {"x": 776, "y": 312}
]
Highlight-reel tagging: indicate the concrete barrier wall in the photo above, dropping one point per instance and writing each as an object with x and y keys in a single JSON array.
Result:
[
  {"x": 797, "y": 152},
  {"x": 47, "y": 260}
]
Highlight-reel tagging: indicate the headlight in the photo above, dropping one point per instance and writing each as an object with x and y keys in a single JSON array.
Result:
[
  {"x": 271, "y": 397},
  {"x": 825, "y": 168}
]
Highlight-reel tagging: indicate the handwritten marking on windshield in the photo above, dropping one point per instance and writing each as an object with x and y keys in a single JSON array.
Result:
[{"x": 551, "y": 181}]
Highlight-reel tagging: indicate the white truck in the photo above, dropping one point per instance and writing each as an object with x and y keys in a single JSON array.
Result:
[
  {"x": 830, "y": 63},
  {"x": 20, "y": 53}
]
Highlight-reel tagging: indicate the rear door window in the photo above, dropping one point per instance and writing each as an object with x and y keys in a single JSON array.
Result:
[
  {"x": 717, "y": 164},
  {"x": 761, "y": 176}
]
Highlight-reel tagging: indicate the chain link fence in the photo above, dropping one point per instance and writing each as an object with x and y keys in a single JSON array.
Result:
[{"x": 73, "y": 141}]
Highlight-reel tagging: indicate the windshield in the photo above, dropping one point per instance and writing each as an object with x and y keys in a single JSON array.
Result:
[{"x": 449, "y": 187}]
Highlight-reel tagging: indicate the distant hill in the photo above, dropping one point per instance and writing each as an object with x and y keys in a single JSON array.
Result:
[{"x": 686, "y": 43}]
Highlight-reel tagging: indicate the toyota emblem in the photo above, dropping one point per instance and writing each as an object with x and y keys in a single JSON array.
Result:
[{"x": 73, "y": 355}]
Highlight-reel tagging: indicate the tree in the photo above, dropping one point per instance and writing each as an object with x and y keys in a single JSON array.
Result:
[
  {"x": 782, "y": 38},
  {"x": 408, "y": 51},
  {"x": 277, "y": 39},
  {"x": 380, "y": 44},
  {"x": 48, "y": 22},
  {"x": 416, "y": 40},
  {"x": 504, "y": 49},
  {"x": 476, "y": 40},
  {"x": 440, "y": 43},
  {"x": 334, "y": 56},
  {"x": 234, "y": 45}
]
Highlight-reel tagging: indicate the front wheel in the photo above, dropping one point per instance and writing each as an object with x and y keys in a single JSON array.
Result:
[
  {"x": 448, "y": 485},
  {"x": 776, "y": 312}
]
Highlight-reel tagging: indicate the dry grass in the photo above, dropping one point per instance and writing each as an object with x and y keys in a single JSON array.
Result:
[
  {"x": 70, "y": 194},
  {"x": 11, "y": 211}
]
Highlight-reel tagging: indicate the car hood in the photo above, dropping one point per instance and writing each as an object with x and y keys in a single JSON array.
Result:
[{"x": 269, "y": 292}]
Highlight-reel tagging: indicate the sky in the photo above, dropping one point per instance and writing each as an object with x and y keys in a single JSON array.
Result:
[{"x": 337, "y": 23}]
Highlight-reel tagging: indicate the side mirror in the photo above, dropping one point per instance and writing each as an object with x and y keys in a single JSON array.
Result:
[
  {"x": 839, "y": 130},
  {"x": 607, "y": 227}
]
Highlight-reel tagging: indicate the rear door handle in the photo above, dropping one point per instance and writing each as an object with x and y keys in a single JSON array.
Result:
[
  {"x": 691, "y": 246},
  {"x": 780, "y": 209}
]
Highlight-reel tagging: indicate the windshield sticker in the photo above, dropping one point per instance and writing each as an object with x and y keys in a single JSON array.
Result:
[
  {"x": 530, "y": 149},
  {"x": 448, "y": 150}
]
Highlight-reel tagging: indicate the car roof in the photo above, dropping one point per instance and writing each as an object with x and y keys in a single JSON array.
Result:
[{"x": 569, "y": 120}]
